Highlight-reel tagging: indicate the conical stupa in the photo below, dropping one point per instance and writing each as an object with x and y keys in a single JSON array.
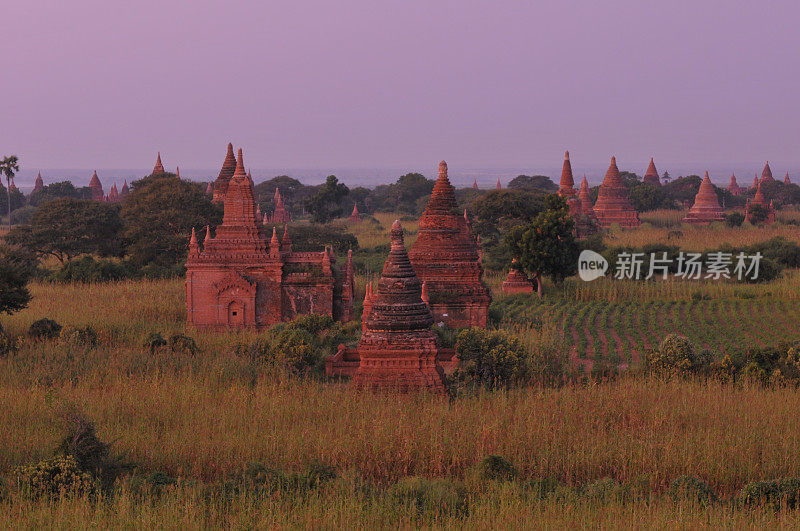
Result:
[
  {"x": 158, "y": 169},
  {"x": 445, "y": 256},
  {"x": 97, "y": 188},
  {"x": 40, "y": 183},
  {"x": 567, "y": 188},
  {"x": 354, "y": 217},
  {"x": 225, "y": 174},
  {"x": 766, "y": 173},
  {"x": 733, "y": 187},
  {"x": 706, "y": 207},
  {"x": 651, "y": 175},
  {"x": 612, "y": 204},
  {"x": 586, "y": 201}
]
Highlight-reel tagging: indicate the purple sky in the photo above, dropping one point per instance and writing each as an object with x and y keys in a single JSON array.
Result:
[{"x": 99, "y": 84}]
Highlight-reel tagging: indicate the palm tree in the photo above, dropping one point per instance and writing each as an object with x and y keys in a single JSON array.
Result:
[{"x": 9, "y": 167}]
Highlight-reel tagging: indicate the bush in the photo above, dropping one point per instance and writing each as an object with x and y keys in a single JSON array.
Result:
[
  {"x": 676, "y": 355},
  {"x": 89, "y": 269},
  {"x": 53, "y": 478},
  {"x": 776, "y": 493},
  {"x": 692, "y": 489},
  {"x": 84, "y": 336},
  {"x": 438, "y": 496},
  {"x": 151, "y": 485},
  {"x": 257, "y": 476},
  {"x": 734, "y": 219},
  {"x": 154, "y": 342},
  {"x": 183, "y": 344},
  {"x": 90, "y": 453},
  {"x": 44, "y": 329},
  {"x": 7, "y": 344},
  {"x": 489, "y": 359},
  {"x": 605, "y": 490},
  {"x": 495, "y": 467}
]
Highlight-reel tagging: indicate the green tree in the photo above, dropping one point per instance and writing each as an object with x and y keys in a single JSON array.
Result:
[
  {"x": 408, "y": 195},
  {"x": 547, "y": 246},
  {"x": 16, "y": 269},
  {"x": 57, "y": 191},
  {"x": 758, "y": 214},
  {"x": 66, "y": 228},
  {"x": 9, "y": 167},
  {"x": 489, "y": 359},
  {"x": 158, "y": 216},
  {"x": 328, "y": 203},
  {"x": 537, "y": 182}
]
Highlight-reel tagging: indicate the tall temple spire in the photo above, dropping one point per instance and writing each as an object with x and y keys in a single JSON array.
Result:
[
  {"x": 475, "y": 184},
  {"x": 786, "y": 179},
  {"x": 651, "y": 175},
  {"x": 586, "y": 200},
  {"x": 443, "y": 197},
  {"x": 499, "y": 186},
  {"x": 567, "y": 188},
  {"x": 97, "y": 187},
  {"x": 158, "y": 169},
  {"x": 40, "y": 183},
  {"x": 613, "y": 206},
  {"x": 766, "y": 173},
  {"x": 225, "y": 174}
]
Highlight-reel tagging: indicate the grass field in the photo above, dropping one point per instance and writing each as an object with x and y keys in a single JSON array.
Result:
[{"x": 609, "y": 450}]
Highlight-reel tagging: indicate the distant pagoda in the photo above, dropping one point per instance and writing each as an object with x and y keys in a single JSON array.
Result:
[
  {"x": 766, "y": 173},
  {"x": 706, "y": 207},
  {"x": 445, "y": 256},
  {"x": 586, "y": 202},
  {"x": 567, "y": 188},
  {"x": 651, "y": 175},
  {"x": 224, "y": 177},
  {"x": 354, "y": 217},
  {"x": 612, "y": 204},
  {"x": 760, "y": 200},
  {"x": 158, "y": 169},
  {"x": 734, "y": 187},
  {"x": 516, "y": 281},
  {"x": 113, "y": 195},
  {"x": 39, "y": 185},
  {"x": 97, "y": 188},
  {"x": 786, "y": 179},
  {"x": 279, "y": 212}
]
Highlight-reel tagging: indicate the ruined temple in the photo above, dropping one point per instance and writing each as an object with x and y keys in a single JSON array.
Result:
[
  {"x": 279, "y": 212},
  {"x": 612, "y": 204},
  {"x": 651, "y": 175},
  {"x": 97, "y": 188},
  {"x": 734, "y": 187},
  {"x": 766, "y": 173},
  {"x": 706, "y": 207},
  {"x": 445, "y": 257},
  {"x": 760, "y": 200},
  {"x": 39, "y": 185},
  {"x": 397, "y": 351},
  {"x": 225, "y": 174},
  {"x": 354, "y": 217},
  {"x": 158, "y": 169},
  {"x": 516, "y": 281},
  {"x": 240, "y": 279}
]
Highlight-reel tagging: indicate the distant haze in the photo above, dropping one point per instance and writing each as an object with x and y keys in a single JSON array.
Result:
[{"x": 369, "y": 90}]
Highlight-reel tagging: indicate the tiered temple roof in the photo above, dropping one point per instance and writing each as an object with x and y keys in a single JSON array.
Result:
[
  {"x": 586, "y": 201},
  {"x": 354, "y": 216},
  {"x": 397, "y": 351},
  {"x": 516, "y": 281},
  {"x": 239, "y": 280},
  {"x": 612, "y": 204},
  {"x": 113, "y": 195},
  {"x": 651, "y": 175},
  {"x": 279, "y": 212},
  {"x": 445, "y": 256},
  {"x": 766, "y": 173},
  {"x": 40, "y": 183},
  {"x": 706, "y": 207},
  {"x": 97, "y": 188},
  {"x": 225, "y": 174},
  {"x": 734, "y": 187},
  {"x": 760, "y": 200},
  {"x": 567, "y": 188},
  {"x": 125, "y": 190}
]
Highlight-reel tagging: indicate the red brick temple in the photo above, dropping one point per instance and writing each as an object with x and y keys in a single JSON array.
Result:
[
  {"x": 516, "y": 281},
  {"x": 225, "y": 174},
  {"x": 475, "y": 184},
  {"x": 612, "y": 204},
  {"x": 755, "y": 182},
  {"x": 586, "y": 201},
  {"x": 40, "y": 183},
  {"x": 445, "y": 257},
  {"x": 759, "y": 199},
  {"x": 123, "y": 193},
  {"x": 240, "y": 280},
  {"x": 97, "y": 188},
  {"x": 113, "y": 195},
  {"x": 651, "y": 175},
  {"x": 397, "y": 351},
  {"x": 279, "y": 212},
  {"x": 766, "y": 173},
  {"x": 786, "y": 179},
  {"x": 354, "y": 216},
  {"x": 734, "y": 187},
  {"x": 158, "y": 169},
  {"x": 706, "y": 207}
]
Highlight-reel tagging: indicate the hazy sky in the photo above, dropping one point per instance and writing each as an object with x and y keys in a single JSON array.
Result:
[{"x": 104, "y": 84}]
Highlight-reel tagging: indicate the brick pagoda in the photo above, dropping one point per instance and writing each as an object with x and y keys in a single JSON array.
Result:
[
  {"x": 279, "y": 212},
  {"x": 516, "y": 281},
  {"x": 158, "y": 169},
  {"x": 238, "y": 279},
  {"x": 586, "y": 201},
  {"x": 397, "y": 351},
  {"x": 651, "y": 175},
  {"x": 766, "y": 173},
  {"x": 612, "y": 204},
  {"x": 445, "y": 256},
  {"x": 786, "y": 179},
  {"x": 225, "y": 174},
  {"x": 759, "y": 199},
  {"x": 734, "y": 187},
  {"x": 354, "y": 216},
  {"x": 123, "y": 193},
  {"x": 706, "y": 207},
  {"x": 97, "y": 188},
  {"x": 113, "y": 195},
  {"x": 40, "y": 183}
]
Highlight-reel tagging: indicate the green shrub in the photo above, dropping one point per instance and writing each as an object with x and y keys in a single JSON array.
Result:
[
  {"x": 495, "y": 467},
  {"x": 734, "y": 219},
  {"x": 183, "y": 344},
  {"x": 692, "y": 489},
  {"x": 489, "y": 359},
  {"x": 90, "y": 453},
  {"x": 84, "y": 336},
  {"x": 44, "y": 329},
  {"x": 437, "y": 496},
  {"x": 53, "y": 478},
  {"x": 541, "y": 489},
  {"x": 675, "y": 356},
  {"x": 605, "y": 490},
  {"x": 89, "y": 269},
  {"x": 150, "y": 485},
  {"x": 776, "y": 493},
  {"x": 154, "y": 342}
]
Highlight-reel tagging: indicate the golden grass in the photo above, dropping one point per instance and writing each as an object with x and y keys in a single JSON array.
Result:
[{"x": 701, "y": 237}]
